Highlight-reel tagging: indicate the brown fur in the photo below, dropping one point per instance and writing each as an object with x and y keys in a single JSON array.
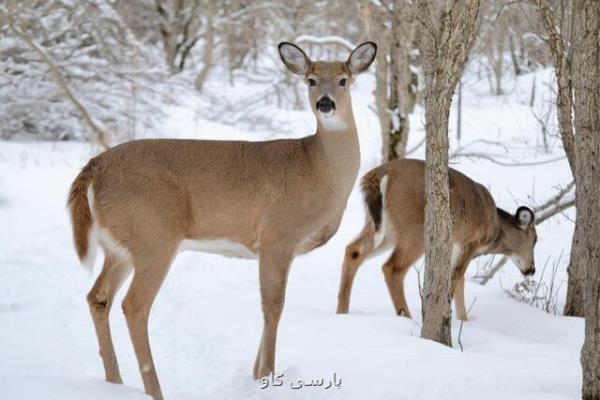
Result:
[
  {"x": 478, "y": 228},
  {"x": 372, "y": 193},
  {"x": 81, "y": 217},
  {"x": 273, "y": 199}
]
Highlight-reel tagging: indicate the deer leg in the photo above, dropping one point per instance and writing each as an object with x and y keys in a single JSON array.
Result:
[
  {"x": 255, "y": 369},
  {"x": 459, "y": 298},
  {"x": 458, "y": 282},
  {"x": 356, "y": 253},
  {"x": 100, "y": 300},
  {"x": 394, "y": 273},
  {"x": 150, "y": 271},
  {"x": 274, "y": 266}
]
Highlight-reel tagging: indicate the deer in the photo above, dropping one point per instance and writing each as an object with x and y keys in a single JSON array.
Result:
[
  {"x": 394, "y": 196},
  {"x": 143, "y": 201}
]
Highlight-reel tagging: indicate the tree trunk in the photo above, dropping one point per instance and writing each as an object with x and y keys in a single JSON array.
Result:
[
  {"x": 576, "y": 274},
  {"x": 209, "y": 45},
  {"x": 575, "y": 284},
  {"x": 586, "y": 85},
  {"x": 401, "y": 93},
  {"x": 559, "y": 45},
  {"x": 397, "y": 128},
  {"x": 169, "y": 31},
  {"x": 445, "y": 43},
  {"x": 498, "y": 78},
  {"x": 513, "y": 55},
  {"x": 562, "y": 68},
  {"x": 438, "y": 226},
  {"x": 395, "y": 93}
]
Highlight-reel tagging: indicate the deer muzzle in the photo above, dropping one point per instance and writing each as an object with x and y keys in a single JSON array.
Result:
[{"x": 325, "y": 105}]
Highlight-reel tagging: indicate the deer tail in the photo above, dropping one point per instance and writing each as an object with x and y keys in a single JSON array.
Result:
[
  {"x": 373, "y": 197},
  {"x": 81, "y": 214}
]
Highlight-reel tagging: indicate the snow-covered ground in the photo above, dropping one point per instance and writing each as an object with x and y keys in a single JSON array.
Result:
[{"x": 206, "y": 322}]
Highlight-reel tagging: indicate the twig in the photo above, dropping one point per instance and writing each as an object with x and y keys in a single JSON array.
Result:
[
  {"x": 461, "y": 325},
  {"x": 325, "y": 40},
  {"x": 487, "y": 157},
  {"x": 419, "y": 269}
]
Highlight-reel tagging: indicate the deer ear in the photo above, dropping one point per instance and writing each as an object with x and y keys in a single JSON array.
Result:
[
  {"x": 294, "y": 58},
  {"x": 361, "y": 57},
  {"x": 524, "y": 217}
]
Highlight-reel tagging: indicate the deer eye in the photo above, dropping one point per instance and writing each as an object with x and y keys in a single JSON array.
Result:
[
  {"x": 343, "y": 82},
  {"x": 312, "y": 82}
]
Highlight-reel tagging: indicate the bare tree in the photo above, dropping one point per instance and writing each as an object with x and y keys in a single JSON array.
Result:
[
  {"x": 509, "y": 29},
  {"x": 494, "y": 34},
  {"x": 391, "y": 24},
  {"x": 179, "y": 26},
  {"x": 586, "y": 85},
  {"x": 557, "y": 19},
  {"x": 209, "y": 47},
  {"x": 99, "y": 135},
  {"x": 446, "y": 36},
  {"x": 67, "y": 69}
]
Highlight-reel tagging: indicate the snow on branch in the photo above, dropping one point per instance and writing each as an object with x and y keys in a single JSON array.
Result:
[
  {"x": 325, "y": 40},
  {"x": 100, "y": 134}
]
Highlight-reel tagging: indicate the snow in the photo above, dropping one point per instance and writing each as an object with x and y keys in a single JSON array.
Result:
[
  {"x": 325, "y": 40},
  {"x": 206, "y": 322}
]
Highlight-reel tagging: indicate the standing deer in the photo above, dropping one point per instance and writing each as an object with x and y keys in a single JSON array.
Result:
[
  {"x": 395, "y": 198},
  {"x": 145, "y": 200}
]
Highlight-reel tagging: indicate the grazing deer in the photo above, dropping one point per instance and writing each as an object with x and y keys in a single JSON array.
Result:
[
  {"x": 145, "y": 200},
  {"x": 394, "y": 196}
]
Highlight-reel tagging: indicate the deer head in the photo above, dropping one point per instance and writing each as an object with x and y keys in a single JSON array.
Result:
[
  {"x": 328, "y": 82},
  {"x": 523, "y": 240}
]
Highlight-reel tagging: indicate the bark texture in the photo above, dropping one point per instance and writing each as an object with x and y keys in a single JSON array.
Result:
[
  {"x": 574, "y": 305},
  {"x": 586, "y": 85},
  {"x": 392, "y": 26},
  {"x": 557, "y": 22},
  {"x": 445, "y": 39}
]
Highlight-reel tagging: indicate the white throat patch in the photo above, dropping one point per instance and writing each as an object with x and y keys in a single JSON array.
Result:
[{"x": 332, "y": 122}]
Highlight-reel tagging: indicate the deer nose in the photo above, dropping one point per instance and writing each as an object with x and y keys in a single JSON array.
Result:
[
  {"x": 325, "y": 104},
  {"x": 530, "y": 271}
]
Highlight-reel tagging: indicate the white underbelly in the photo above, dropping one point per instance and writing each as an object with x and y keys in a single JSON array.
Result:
[{"x": 223, "y": 247}]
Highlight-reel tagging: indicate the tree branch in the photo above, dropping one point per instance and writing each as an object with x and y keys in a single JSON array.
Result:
[{"x": 98, "y": 133}]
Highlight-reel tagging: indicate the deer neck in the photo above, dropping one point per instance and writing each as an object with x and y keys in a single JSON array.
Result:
[
  {"x": 338, "y": 133},
  {"x": 338, "y": 138},
  {"x": 504, "y": 231}
]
